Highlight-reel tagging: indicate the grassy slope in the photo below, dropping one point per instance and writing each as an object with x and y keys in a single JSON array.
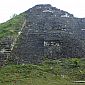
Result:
[
  {"x": 50, "y": 72},
  {"x": 12, "y": 26}
]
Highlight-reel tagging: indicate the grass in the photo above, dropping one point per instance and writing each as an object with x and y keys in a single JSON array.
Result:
[
  {"x": 50, "y": 72},
  {"x": 12, "y": 26}
]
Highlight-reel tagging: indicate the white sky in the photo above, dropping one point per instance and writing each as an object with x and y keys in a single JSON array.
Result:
[{"x": 10, "y": 7}]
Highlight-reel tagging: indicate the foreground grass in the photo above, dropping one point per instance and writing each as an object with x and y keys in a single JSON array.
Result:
[{"x": 50, "y": 72}]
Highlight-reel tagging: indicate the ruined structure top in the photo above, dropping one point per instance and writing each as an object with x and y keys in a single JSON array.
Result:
[{"x": 49, "y": 32}]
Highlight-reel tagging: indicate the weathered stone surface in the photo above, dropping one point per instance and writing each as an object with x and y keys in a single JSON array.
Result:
[
  {"x": 5, "y": 49},
  {"x": 50, "y": 32}
]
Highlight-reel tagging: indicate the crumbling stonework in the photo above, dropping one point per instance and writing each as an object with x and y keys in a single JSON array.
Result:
[
  {"x": 49, "y": 32},
  {"x": 5, "y": 49}
]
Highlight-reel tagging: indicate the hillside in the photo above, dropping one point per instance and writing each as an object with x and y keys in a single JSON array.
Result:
[{"x": 50, "y": 72}]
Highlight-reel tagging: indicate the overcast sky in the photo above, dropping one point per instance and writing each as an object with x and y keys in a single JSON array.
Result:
[{"x": 10, "y": 7}]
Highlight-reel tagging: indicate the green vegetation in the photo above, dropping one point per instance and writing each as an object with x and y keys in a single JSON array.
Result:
[
  {"x": 12, "y": 26},
  {"x": 50, "y": 72}
]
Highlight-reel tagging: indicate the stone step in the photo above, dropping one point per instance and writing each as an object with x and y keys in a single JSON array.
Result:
[{"x": 78, "y": 81}]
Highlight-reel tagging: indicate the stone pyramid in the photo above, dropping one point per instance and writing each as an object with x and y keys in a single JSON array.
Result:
[{"x": 49, "y": 33}]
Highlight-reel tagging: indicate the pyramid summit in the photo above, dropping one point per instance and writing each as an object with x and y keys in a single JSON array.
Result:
[
  {"x": 49, "y": 32},
  {"x": 44, "y": 8}
]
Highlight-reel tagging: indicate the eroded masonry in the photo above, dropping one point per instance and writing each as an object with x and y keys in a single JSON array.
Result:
[{"x": 49, "y": 33}]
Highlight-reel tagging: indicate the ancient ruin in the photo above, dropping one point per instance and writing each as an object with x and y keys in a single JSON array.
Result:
[{"x": 49, "y": 33}]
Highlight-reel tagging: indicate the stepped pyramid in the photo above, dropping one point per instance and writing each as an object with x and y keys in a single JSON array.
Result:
[{"x": 49, "y": 33}]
